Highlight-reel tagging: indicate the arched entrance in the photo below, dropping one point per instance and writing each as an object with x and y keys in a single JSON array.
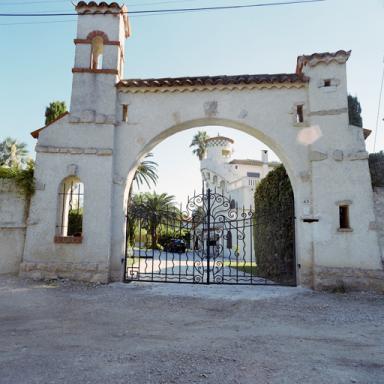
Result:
[{"x": 210, "y": 237}]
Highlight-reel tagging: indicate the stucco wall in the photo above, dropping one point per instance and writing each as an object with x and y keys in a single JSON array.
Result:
[{"x": 12, "y": 226}]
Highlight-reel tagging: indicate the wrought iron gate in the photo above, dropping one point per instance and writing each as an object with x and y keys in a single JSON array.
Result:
[{"x": 210, "y": 241}]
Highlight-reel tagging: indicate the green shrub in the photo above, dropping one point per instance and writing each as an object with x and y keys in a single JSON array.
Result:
[{"x": 75, "y": 223}]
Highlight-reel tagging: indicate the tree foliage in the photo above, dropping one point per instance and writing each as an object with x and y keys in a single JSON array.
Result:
[
  {"x": 274, "y": 226},
  {"x": 376, "y": 168},
  {"x": 354, "y": 111},
  {"x": 199, "y": 141},
  {"x": 54, "y": 110},
  {"x": 146, "y": 172},
  {"x": 13, "y": 153},
  {"x": 152, "y": 210},
  {"x": 24, "y": 178}
]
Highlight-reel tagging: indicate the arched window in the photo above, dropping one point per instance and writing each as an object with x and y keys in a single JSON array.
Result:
[
  {"x": 70, "y": 208},
  {"x": 97, "y": 50}
]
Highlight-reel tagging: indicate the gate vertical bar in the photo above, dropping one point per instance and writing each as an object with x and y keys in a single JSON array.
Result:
[
  {"x": 126, "y": 246},
  {"x": 208, "y": 233}
]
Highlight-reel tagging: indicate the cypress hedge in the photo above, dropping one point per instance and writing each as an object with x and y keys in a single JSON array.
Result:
[{"x": 274, "y": 229}]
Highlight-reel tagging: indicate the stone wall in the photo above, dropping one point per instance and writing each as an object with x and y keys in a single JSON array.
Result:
[{"x": 13, "y": 214}]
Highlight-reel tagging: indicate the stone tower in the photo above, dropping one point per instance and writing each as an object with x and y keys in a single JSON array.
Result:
[{"x": 99, "y": 61}]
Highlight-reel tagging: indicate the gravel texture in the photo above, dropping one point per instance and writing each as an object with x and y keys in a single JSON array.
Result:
[{"x": 65, "y": 332}]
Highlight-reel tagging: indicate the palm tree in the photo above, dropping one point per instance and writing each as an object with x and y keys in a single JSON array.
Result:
[
  {"x": 54, "y": 110},
  {"x": 13, "y": 153},
  {"x": 146, "y": 173},
  {"x": 153, "y": 210},
  {"x": 200, "y": 142}
]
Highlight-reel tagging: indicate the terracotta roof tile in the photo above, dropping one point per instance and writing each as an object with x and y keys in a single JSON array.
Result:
[
  {"x": 323, "y": 57},
  {"x": 220, "y": 138},
  {"x": 102, "y": 7},
  {"x": 81, "y": 4},
  {"x": 214, "y": 80}
]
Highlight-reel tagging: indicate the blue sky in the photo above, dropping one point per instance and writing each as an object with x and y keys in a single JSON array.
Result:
[{"x": 37, "y": 58}]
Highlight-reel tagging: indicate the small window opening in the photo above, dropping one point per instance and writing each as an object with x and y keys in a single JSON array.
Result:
[
  {"x": 71, "y": 203},
  {"x": 97, "y": 50},
  {"x": 125, "y": 113},
  {"x": 327, "y": 83},
  {"x": 344, "y": 217},
  {"x": 299, "y": 114}
]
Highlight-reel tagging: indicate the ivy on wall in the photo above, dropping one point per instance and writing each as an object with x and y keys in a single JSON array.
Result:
[{"x": 274, "y": 242}]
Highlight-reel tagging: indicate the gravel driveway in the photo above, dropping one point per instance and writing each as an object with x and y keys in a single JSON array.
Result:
[{"x": 167, "y": 333}]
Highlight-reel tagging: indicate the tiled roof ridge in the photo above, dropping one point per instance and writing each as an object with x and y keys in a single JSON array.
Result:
[
  {"x": 340, "y": 56},
  {"x": 104, "y": 8},
  {"x": 220, "y": 138},
  {"x": 320, "y": 55},
  {"x": 99, "y": 4},
  {"x": 214, "y": 80}
]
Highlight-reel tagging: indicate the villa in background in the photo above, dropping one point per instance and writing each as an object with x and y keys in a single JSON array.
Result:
[{"x": 235, "y": 179}]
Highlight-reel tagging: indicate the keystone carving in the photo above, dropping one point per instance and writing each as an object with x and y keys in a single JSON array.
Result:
[
  {"x": 243, "y": 114},
  {"x": 72, "y": 169},
  {"x": 317, "y": 156},
  {"x": 210, "y": 108}
]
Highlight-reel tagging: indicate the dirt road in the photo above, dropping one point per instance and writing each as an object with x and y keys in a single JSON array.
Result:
[{"x": 166, "y": 333}]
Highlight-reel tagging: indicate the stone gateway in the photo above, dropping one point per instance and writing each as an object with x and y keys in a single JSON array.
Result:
[{"x": 88, "y": 157}]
